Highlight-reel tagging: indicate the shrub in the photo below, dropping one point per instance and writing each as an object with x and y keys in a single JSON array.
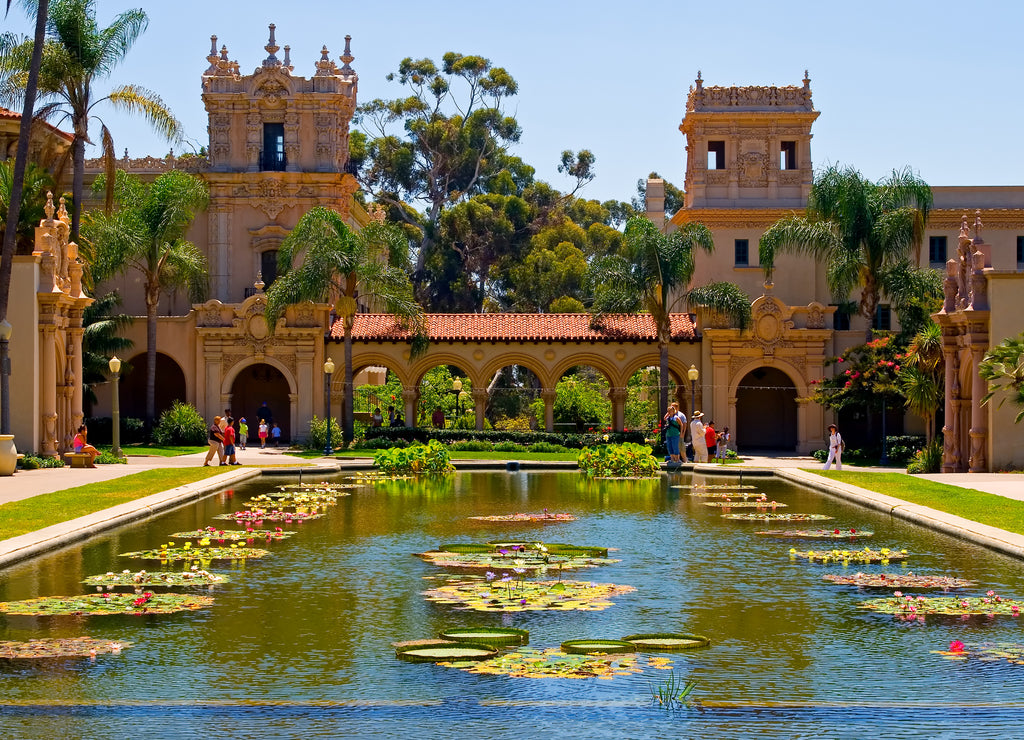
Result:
[
  {"x": 418, "y": 458},
  {"x": 378, "y": 443},
  {"x": 928, "y": 459},
  {"x": 513, "y": 424},
  {"x": 472, "y": 445},
  {"x": 316, "y": 438},
  {"x": 133, "y": 431},
  {"x": 32, "y": 462},
  {"x": 819, "y": 455},
  {"x": 546, "y": 447},
  {"x": 448, "y": 436},
  {"x": 106, "y": 457},
  {"x": 509, "y": 447},
  {"x": 627, "y": 460},
  {"x": 181, "y": 424}
]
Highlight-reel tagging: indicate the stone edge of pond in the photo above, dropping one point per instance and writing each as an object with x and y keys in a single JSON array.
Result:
[
  {"x": 993, "y": 538},
  {"x": 31, "y": 544}
]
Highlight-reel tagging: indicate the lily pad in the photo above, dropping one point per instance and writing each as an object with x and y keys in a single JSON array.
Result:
[
  {"x": 495, "y": 636},
  {"x": 519, "y": 548},
  {"x": 340, "y": 489},
  {"x": 904, "y": 605},
  {"x": 143, "y": 579},
  {"x": 517, "y": 596},
  {"x": 755, "y": 504},
  {"x": 451, "y": 652},
  {"x": 715, "y": 487},
  {"x": 542, "y": 518},
  {"x": 554, "y": 663},
  {"x": 591, "y": 647},
  {"x": 234, "y": 535},
  {"x": 897, "y": 580},
  {"x": 819, "y": 534},
  {"x": 295, "y": 500},
  {"x": 106, "y": 603},
  {"x": 867, "y": 555},
  {"x": 60, "y": 647},
  {"x": 523, "y": 561},
  {"x": 202, "y": 554},
  {"x": 667, "y": 641},
  {"x": 1003, "y": 652},
  {"x": 272, "y": 515},
  {"x": 769, "y": 516}
]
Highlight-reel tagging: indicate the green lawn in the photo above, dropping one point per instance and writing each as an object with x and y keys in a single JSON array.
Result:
[
  {"x": 28, "y": 515},
  {"x": 157, "y": 451},
  {"x": 978, "y": 506}
]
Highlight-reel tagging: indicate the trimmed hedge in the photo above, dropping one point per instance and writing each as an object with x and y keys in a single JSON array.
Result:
[{"x": 449, "y": 436}]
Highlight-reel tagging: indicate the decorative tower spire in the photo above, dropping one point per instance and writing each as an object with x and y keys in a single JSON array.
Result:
[
  {"x": 212, "y": 58},
  {"x": 288, "y": 58},
  {"x": 347, "y": 57},
  {"x": 271, "y": 61},
  {"x": 324, "y": 66}
]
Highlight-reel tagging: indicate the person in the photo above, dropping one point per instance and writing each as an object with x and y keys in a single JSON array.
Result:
[
  {"x": 275, "y": 434},
  {"x": 835, "y": 448},
  {"x": 81, "y": 446},
  {"x": 391, "y": 416},
  {"x": 215, "y": 437},
  {"x": 673, "y": 431},
  {"x": 398, "y": 421},
  {"x": 229, "y": 441},
  {"x": 710, "y": 439},
  {"x": 437, "y": 418},
  {"x": 377, "y": 420},
  {"x": 723, "y": 443},
  {"x": 263, "y": 432},
  {"x": 263, "y": 414},
  {"x": 697, "y": 439},
  {"x": 243, "y": 432}
]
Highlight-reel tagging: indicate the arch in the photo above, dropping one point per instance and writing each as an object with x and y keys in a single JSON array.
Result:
[
  {"x": 232, "y": 373},
  {"x": 446, "y": 357},
  {"x": 598, "y": 362},
  {"x": 676, "y": 367},
  {"x": 375, "y": 359},
  {"x": 171, "y": 386},
  {"x": 264, "y": 381},
  {"x": 499, "y": 362},
  {"x": 766, "y": 410}
]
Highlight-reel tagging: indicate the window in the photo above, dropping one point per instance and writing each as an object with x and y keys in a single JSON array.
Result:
[
  {"x": 268, "y": 267},
  {"x": 1020, "y": 250},
  {"x": 937, "y": 251},
  {"x": 840, "y": 319},
  {"x": 273, "y": 148},
  {"x": 742, "y": 252},
  {"x": 787, "y": 159},
  {"x": 716, "y": 155},
  {"x": 883, "y": 317}
]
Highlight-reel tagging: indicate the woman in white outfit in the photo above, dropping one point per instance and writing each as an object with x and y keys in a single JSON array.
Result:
[
  {"x": 835, "y": 448},
  {"x": 700, "y": 446}
]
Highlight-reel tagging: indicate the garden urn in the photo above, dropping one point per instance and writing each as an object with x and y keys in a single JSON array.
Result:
[{"x": 8, "y": 454}]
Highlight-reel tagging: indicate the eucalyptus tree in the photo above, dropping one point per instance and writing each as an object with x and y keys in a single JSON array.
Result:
[
  {"x": 145, "y": 233},
  {"x": 325, "y": 261},
  {"x": 652, "y": 273},
  {"x": 863, "y": 231}
]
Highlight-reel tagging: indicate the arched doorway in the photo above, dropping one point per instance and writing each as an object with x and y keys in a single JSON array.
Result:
[
  {"x": 766, "y": 411},
  {"x": 170, "y": 386},
  {"x": 256, "y": 384}
]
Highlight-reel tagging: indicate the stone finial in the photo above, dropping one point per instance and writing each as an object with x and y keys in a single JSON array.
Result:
[
  {"x": 324, "y": 66},
  {"x": 807, "y": 79},
  {"x": 965, "y": 234},
  {"x": 126, "y": 154},
  {"x": 259, "y": 284},
  {"x": 271, "y": 62},
  {"x": 48, "y": 208},
  {"x": 288, "y": 58},
  {"x": 212, "y": 57},
  {"x": 346, "y": 57},
  {"x": 977, "y": 227},
  {"x": 62, "y": 212}
]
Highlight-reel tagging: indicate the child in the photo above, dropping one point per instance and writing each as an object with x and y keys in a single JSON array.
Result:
[
  {"x": 243, "y": 432},
  {"x": 263, "y": 434},
  {"x": 723, "y": 443},
  {"x": 275, "y": 434}
]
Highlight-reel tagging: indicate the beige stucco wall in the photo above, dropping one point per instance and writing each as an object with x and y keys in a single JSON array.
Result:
[
  {"x": 23, "y": 313},
  {"x": 1006, "y": 439}
]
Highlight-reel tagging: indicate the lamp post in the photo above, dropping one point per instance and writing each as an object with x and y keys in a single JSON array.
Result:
[
  {"x": 328, "y": 371},
  {"x": 457, "y": 390},
  {"x": 115, "y": 405},
  {"x": 693, "y": 373},
  {"x": 5, "y": 373}
]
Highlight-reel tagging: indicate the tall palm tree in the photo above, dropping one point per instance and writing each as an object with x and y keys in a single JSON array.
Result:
[
  {"x": 36, "y": 183},
  {"x": 324, "y": 261},
  {"x": 653, "y": 274},
  {"x": 77, "y": 55},
  {"x": 101, "y": 340},
  {"x": 921, "y": 376},
  {"x": 146, "y": 234},
  {"x": 862, "y": 230}
]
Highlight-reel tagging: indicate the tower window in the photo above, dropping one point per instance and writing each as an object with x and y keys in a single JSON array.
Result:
[
  {"x": 937, "y": 251},
  {"x": 787, "y": 160},
  {"x": 1020, "y": 251},
  {"x": 841, "y": 318},
  {"x": 883, "y": 317},
  {"x": 742, "y": 252},
  {"x": 716, "y": 155},
  {"x": 268, "y": 267},
  {"x": 273, "y": 147}
]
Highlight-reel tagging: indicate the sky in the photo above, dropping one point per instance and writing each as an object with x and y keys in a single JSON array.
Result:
[{"x": 932, "y": 85}]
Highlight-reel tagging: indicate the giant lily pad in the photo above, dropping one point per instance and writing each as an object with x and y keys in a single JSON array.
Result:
[
  {"x": 597, "y": 647},
  {"x": 755, "y": 504},
  {"x": 867, "y": 555},
  {"x": 60, "y": 647},
  {"x": 233, "y": 535},
  {"x": 819, "y": 534},
  {"x": 1008, "y": 652},
  {"x": 770, "y": 516},
  {"x": 273, "y": 515},
  {"x": 904, "y": 605},
  {"x": 106, "y": 603},
  {"x": 716, "y": 487},
  {"x": 897, "y": 580},
  {"x": 509, "y": 595},
  {"x": 511, "y": 550},
  {"x": 295, "y": 500},
  {"x": 544, "y": 517},
  {"x": 523, "y": 561},
  {"x": 495, "y": 636},
  {"x": 667, "y": 641},
  {"x": 460, "y": 651},
  {"x": 554, "y": 663},
  {"x": 187, "y": 553},
  {"x": 193, "y": 577}
]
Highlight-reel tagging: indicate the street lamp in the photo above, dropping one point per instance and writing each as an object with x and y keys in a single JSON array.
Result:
[
  {"x": 328, "y": 371},
  {"x": 693, "y": 373},
  {"x": 115, "y": 405},
  {"x": 5, "y": 372},
  {"x": 457, "y": 390}
]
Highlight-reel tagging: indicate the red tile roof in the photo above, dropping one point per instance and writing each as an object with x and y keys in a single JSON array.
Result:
[
  {"x": 518, "y": 327},
  {"x": 10, "y": 115}
]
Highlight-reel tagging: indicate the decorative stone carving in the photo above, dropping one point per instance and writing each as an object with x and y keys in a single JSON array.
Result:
[
  {"x": 753, "y": 169},
  {"x": 815, "y": 317}
]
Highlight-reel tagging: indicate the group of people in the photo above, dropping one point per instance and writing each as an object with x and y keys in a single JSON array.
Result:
[
  {"x": 223, "y": 437},
  {"x": 705, "y": 440},
  {"x": 394, "y": 419}
]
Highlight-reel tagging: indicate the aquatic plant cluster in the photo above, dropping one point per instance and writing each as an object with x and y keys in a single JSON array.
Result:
[{"x": 627, "y": 460}]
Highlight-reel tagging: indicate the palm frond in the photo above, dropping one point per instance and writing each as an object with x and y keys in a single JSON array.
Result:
[
  {"x": 799, "y": 235},
  {"x": 137, "y": 100},
  {"x": 724, "y": 298}
]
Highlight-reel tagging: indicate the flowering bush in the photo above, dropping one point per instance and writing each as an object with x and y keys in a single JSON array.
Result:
[{"x": 864, "y": 374}]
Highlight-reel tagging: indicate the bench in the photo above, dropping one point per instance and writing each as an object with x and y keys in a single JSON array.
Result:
[{"x": 78, "y": 459}]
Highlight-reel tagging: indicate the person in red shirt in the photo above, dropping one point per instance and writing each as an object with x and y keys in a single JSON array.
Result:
[
  {"x": 711, "y": 439},
  {"x": 229, "y": 443}
]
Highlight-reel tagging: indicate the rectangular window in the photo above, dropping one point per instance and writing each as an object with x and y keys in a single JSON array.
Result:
[
  {"x": 1020, "y": 251},
  {"x": 716, "y": 155},
  {"x": 273, "y": 147},
  {"x": 787, "y": 159},
  {"x": 883, "y": 317},
  {"x": 742, "y": 252},
  {"x": 840, "y": 319},
  {"x": 937, "y": 251}
]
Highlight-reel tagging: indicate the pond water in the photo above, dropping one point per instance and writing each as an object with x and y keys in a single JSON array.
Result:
[{"x": 299, "y": 644}]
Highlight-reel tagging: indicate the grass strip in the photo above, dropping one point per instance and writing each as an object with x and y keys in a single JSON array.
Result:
[
  {"x": 978, "y": 506},
  {"x": 157, "y": 451},
  {"x": 31, "y": 514}
]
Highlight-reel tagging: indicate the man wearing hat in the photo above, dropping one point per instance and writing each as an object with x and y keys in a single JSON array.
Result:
[{"x": 700, "y": 446}]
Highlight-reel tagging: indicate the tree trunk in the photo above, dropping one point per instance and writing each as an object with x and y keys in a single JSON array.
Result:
[
  {"x": 78, "y": 177},
  {"x": 152, "y": 304},
  {"x": 348, "y": 432},
  {"x": 662, "y": 379}
]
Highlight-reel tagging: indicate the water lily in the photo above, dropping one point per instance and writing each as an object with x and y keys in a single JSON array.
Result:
[{"x": 956, "y": 646}]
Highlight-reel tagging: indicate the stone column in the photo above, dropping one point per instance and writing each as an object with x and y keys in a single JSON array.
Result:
[
  {"x": 480, "y": 399},
  {"x": 48, "y": 391},
  {"x": 732, "y": 423},
  {"x": 618, "y": 398},
  {"x": 411, "y": 397},
  {"x": 803, "y": 432},
  {"x": 949, "y": 441},
  {"x": 293, "y": 417},
  {"x": 548, "y": 396},
  {"x": 77, "y": 414},
  {"x": 979, "y": 415}
]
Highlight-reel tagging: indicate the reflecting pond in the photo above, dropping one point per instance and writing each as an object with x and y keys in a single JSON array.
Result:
[{"x": 299, "y": 643}]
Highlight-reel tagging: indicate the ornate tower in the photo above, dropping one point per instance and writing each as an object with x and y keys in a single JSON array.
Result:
[
  {"x": 278, "y": 147},
  {"x": 748, "y": 147}
]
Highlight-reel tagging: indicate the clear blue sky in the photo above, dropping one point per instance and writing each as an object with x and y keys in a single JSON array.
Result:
[{"x": 933, "y": 85}]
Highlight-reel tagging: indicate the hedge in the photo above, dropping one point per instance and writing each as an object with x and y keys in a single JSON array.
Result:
[{"x": 449, "y": 436}]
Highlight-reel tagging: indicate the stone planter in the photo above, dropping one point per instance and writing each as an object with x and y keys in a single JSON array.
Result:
[{"x": 8, "y": 454}]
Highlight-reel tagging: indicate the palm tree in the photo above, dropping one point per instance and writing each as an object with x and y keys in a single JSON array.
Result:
[
  {"x": 1003, "y": 369},
  {"x": 921, "y": 376},
  {"x": 653, "y": 274},
  {"x": 862, "y": 230},
  {"x": 101, "y": 340},
  {"x": 146, "y": 233},
  {"x": 77, "y": 55},
  {"x": 36, "y": 183},
  {"x": 324, "y": 261}
]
